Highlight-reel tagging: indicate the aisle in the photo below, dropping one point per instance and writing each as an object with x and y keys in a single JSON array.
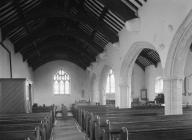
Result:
[{"x": 67, "y": 129}]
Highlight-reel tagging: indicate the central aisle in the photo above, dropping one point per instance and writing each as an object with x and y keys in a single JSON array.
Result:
[{"x": 67, "y": 129}]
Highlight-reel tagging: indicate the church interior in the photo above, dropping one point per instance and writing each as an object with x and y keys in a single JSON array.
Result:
[{"x": 95, "y": 70}]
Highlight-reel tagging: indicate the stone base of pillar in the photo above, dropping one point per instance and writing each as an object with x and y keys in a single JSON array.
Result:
[
  {"x": 173, "y": 96},
  {"x": 125, "y": 96}
]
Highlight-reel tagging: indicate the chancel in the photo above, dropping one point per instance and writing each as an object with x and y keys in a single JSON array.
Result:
[{"x": 95, "y": 70}]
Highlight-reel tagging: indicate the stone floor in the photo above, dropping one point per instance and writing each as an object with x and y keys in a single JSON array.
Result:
[{"x": 67, "y": 129}]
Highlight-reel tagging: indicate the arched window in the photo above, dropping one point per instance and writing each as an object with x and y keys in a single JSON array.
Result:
[
  {"x": 61, "y": 83},
  {"x": 159, "y": 85},
  {"x": 110, "y": 85}
]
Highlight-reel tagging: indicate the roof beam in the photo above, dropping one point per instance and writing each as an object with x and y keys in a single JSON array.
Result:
[
  {"x": 119, "y": 9},
  {"x": 43, "y": 12},
  {"x": 50, "y": 57},
  {"x": 47, "y": 32},
  {"x": 63, "y": 45},
  {"x": 131, "y": 6},
  {"x": 103, "y": 13},
  {"x": 60, "y": 52},
  {"x": 23, "y": 21},
  {"x": 148, "y": 58},
  {"x": 141, "y": 65}
]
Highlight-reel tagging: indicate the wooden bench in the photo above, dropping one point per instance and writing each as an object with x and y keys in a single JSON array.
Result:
[
  {"x": 20, "y": 133},
  {"x": 96, "y": 119},
  {"x": 176, "y": 130},
  {"x": 91, "y": 116},
  {"x": 41, "y": 120},
  {"x": 114, "y": 129}
]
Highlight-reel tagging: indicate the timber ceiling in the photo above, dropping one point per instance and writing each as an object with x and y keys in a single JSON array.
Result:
[
  {"x": 147, "y": 57},
  {"x": 73, "y": 30}
]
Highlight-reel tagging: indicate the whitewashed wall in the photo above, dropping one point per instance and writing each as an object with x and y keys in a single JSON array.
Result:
[
  {"x": 20, "y": 69},
  {"x": 138, "y": 81},
  {"x": 151, "y": 73},
  {"x": 43, "y": 82}
]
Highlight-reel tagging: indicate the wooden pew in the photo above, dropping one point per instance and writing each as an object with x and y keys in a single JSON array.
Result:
[
  {"x": 20, "y": 133},
  {"x": 177, "y": 130},
  {"x": 44, "y": 132},
  {"x": 83, "y": 110},
  {"x": 114, "y": 129},
  {"x": 91, "y": 115},
  {"x": 87, "y": 116},
  {"x": 85, "y": 113},
  {"x": 91, "y": 127},
  {"x": 42, "y": 129},
  {"x": 91, "y": 119},
  {"x": 43, "y": 120}
]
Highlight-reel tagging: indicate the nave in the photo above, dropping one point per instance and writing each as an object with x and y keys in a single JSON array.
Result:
[
  {"x": 67, "y": 129},
  {"x": 122, "y": 67}
]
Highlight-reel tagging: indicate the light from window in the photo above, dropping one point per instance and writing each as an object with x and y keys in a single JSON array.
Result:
[
  {"x": 61, "y": 83},
  {"x": 159, "y": 85},
  {"x": 110, "y": 85}
]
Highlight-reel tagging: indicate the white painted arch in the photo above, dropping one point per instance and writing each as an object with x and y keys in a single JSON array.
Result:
[
  {"x": 175, "y": 65},
  {"x": 127, "y": 69}
]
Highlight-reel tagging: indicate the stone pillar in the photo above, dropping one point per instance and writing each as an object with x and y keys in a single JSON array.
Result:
[
  {"x": 96, "y": 97},
  {"x": 125, "y": 96},
  {"x": 103, "y": 97},
  {"x": 173, "y": 95}
]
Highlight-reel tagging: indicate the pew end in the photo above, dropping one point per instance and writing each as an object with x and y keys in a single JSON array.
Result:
[
  {"x": 124, "y": 134},
  {"x": 103, "y": 134},
  {"x": 98, "y": 119},
  {"x": 108, "y": 124}
]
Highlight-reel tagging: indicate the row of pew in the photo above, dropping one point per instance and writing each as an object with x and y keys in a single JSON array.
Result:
[
  {"x": 27, "y": 126},
  {"x": 107, "y": 123}
]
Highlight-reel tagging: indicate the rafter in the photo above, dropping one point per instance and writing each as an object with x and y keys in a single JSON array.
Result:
[
  {"x": 61, "y": 51},
  {"x": 69, "y": 46},
  {"x": 119, "y": 9},
  {"x": 47, "y": 32},
  {"x": 84, "y": 33},
  {"x": 103, "y": 13},
  {"x": 59, "y": 56},
  {"x": 141, "y": 65},
  {"x": 143, "y": 54},
  {"x": 23, "y": 21},
  {"x": 42, "y": 13}
]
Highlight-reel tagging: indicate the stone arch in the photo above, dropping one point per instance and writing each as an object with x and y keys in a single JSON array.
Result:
[
  {"x": 126, "y": 71},
  {"x": 175, "y": 65}
]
